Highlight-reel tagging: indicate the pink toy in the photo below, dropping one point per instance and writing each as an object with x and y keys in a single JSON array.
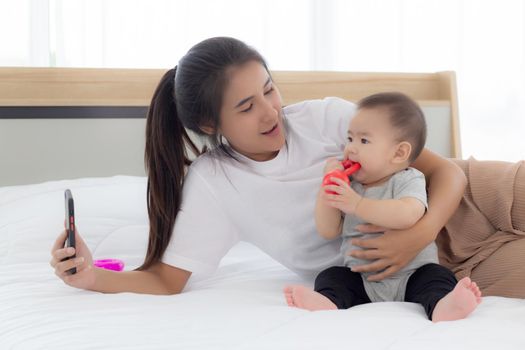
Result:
[
  {"x": 350, "y": 168},
  {"x": 110, "y": 264}
]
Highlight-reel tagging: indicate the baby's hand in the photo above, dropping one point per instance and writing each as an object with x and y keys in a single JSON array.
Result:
[
  {"x": 332, "y": 163},
  {"x": 341, "y": 196}
]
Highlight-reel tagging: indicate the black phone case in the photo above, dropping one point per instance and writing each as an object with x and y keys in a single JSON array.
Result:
[{"x": 70, "y": 224}]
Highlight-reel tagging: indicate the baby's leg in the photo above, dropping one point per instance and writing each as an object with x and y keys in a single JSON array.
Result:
[
  {"x": 335, "y": 288},
  {"x": 444, "y": 299},
  {"x": 459, "y": 303}
]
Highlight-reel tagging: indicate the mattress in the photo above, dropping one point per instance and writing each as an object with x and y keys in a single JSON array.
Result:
[{"x": 240, "y": 306}]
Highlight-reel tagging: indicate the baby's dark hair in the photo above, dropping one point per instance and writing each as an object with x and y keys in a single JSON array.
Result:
[{"x": 405, "y": 116}]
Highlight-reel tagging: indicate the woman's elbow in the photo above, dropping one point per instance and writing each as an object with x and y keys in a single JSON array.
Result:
[
  {"x": 175, "y": 291},
  {"x": 173, "y": 279}
]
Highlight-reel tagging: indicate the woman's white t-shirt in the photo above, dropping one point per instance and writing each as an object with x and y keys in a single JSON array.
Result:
[{"x": 270, "y": 204}]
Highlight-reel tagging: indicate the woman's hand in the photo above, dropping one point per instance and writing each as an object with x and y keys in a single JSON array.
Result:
[
  {"x": 85, "y": 276},
  {"x": 391, "y": 251}
]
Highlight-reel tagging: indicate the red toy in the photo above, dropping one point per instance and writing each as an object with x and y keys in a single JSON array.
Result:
[{"x": 350, "y": 168}]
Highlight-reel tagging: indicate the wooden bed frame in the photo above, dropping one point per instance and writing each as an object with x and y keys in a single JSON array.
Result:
[{"x": 58, "y": 123}]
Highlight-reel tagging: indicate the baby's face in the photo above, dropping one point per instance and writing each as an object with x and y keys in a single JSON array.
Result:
[{"x": 371, "y": 142}]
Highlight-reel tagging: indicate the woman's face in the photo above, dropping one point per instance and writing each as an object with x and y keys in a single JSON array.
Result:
[{"x": 251, "y": 114}]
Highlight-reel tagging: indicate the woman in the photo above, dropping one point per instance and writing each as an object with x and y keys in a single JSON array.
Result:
[{"x": 257, "y": 183}]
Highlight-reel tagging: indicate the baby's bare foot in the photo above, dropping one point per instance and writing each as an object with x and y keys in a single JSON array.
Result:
[
  {"x": 459, "y": 303},
  {"x": 305, "y": 298}
]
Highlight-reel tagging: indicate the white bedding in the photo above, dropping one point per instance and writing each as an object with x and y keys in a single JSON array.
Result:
[{"x": 239, "y": 307}]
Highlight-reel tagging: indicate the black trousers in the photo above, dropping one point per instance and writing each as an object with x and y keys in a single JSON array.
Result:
[{"x": 426, "y": 286}]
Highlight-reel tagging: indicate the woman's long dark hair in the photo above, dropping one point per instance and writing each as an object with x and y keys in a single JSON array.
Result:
[{"x": 188, "y": 96}]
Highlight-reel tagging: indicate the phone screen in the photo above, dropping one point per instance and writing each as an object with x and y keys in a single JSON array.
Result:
[{"x": 70, "y": 224}]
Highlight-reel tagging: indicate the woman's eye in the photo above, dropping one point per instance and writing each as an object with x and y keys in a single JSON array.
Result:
[
  {"x": 269, "y": 91},
  {"x": 247, "y": 109},
  {"x": 349, "y": 139},
  {"x": 364, "y": 141}
]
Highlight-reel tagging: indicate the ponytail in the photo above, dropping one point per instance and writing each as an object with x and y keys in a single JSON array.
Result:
[
  {"x": 166, "y": 160},
  {"x": 188, "y": 97}
]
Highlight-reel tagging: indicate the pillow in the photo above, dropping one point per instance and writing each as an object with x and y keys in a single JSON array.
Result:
[
  {"x": 111, "y": 217},
  {"x": 485, "y": 238}
]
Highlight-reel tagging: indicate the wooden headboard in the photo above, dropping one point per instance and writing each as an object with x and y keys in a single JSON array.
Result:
[{"x": 58, "y": 123}]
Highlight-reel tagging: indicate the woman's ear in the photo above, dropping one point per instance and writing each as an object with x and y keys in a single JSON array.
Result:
[
  {"x": 402, "y": 152},
  {"x": 207, "y": 129}
]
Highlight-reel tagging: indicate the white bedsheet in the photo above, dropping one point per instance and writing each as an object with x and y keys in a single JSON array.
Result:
[{"x": 240, "y": 307}]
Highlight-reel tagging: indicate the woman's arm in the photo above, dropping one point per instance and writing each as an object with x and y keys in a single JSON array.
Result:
[
  {"x": 395, "y": 249},
  {"x": 158, "y": 279}
]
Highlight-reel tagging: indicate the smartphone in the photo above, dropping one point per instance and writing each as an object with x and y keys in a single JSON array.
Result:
[{"x": 70, "y": 225}]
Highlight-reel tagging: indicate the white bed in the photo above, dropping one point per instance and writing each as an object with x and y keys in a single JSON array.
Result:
[{"x": 239, "y": 307}]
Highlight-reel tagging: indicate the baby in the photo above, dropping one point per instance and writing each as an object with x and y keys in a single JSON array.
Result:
[{"x": 385, "y": 136}]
